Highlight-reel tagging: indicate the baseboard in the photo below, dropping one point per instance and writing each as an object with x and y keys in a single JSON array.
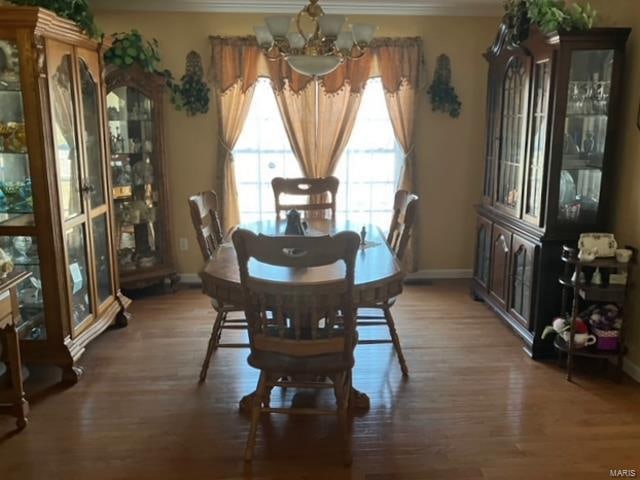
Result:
[
  {"x": 440, "y": 274},
  {"x": 632, "y": 370},
  {"x": 190, "y": 278}
]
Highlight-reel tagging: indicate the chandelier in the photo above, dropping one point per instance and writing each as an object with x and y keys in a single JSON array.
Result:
[{"x": 316, "y": 52}]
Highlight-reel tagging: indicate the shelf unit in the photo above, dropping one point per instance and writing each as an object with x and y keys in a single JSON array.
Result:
[{"x": 577, "y": 294}]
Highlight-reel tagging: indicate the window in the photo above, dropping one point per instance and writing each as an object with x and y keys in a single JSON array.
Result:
[
  {"x": 262, "y": 153},
  {"x": 368, "y": 169}
]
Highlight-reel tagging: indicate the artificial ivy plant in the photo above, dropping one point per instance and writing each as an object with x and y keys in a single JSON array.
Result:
[
  {"x": 548, "y": 15},
  {"x": 191, "y": 94},
  {"x": 131, "y": 48},
  {"x": 75, "y": 10},
  {"x": 443, "y": 95}
]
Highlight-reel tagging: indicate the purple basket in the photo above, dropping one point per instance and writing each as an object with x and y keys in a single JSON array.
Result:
[{"x": 608, "y": 340}]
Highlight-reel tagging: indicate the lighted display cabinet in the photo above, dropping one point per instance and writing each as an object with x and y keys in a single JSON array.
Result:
[
  {"x": 552, "y": 107},
  {"x": 55, "y": 190},
  {"x": 140, "y": 185}
]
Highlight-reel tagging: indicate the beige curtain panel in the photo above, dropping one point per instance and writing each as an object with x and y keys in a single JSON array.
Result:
[
  {"x": 400, "y": 63},
  {"x": 234, "y": 72}
]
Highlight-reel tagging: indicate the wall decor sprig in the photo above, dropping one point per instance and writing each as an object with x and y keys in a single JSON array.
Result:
[
  {"x": 443, "y": 95},
  {"x": 191, "y": 94}
]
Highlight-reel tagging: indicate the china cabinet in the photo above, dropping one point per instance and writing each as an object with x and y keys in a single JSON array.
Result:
[
  {"x": 55, "y": 190},
  {"x": 138, "y": 170},
  {"x": 552, "y": 104}
]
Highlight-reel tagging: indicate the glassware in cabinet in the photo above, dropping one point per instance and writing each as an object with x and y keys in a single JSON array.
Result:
[
  {"x": 22, "y": 252},
  {"x": 585, "y": 135},
  {"x": 16, "y": 200},
  {"x": 136, "y": 195}
]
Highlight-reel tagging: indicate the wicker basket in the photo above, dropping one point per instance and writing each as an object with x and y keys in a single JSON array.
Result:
[{"x": 607, "y": 339}]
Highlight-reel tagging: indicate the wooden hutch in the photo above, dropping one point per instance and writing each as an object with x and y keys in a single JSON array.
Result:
[
  {"x": 139, "y": 172},
  {"x": 552, "y": 107},
  {"x": 55, "y": 204}
]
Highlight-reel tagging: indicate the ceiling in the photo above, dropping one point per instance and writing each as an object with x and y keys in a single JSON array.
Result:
[{"x": 373, "y": 7}]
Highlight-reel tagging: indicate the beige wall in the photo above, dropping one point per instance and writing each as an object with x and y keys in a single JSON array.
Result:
[
  {"x": 626, "y": 216},
  {"x": 449, "y": 151}
]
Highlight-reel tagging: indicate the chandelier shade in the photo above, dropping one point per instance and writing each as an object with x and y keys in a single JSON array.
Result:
[{"x": 317, "y": 52}]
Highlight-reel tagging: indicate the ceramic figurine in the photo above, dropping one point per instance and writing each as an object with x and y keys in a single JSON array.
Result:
[{"x": 597, "y": 277}]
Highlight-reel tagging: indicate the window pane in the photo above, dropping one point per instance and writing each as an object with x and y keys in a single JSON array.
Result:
[
  {"x": 262, "y": 153},
  {"x": 370, "y": 165}
]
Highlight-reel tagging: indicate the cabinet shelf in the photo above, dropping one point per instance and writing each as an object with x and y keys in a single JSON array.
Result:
[{"x": 590, "y": 351}]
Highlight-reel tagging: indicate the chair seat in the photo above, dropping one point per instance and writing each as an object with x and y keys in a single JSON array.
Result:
[{"x": 287, "y": 364}]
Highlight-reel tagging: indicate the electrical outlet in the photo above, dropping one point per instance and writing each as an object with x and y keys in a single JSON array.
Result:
[{"x": 184, "y": 244}]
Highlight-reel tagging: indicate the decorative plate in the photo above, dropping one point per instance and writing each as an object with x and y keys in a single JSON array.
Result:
[{"x": 604, "y": 244}]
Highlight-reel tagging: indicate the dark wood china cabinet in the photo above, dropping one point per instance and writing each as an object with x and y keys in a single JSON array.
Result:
[{"x": 552, "y": 104}]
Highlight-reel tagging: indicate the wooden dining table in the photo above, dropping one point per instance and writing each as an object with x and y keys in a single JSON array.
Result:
[{"x": 378, "y": 274}]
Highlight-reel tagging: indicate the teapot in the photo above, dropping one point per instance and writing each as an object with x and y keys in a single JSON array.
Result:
[{"x": 294, "y": 223}]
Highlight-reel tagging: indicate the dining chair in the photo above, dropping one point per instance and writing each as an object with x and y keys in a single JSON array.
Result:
[
  {"x": 300, "y": 330},
  {"x": 405, "y": 208},
  {"x": 204, "y": 215},
  {"x": 314, "y": 188}
]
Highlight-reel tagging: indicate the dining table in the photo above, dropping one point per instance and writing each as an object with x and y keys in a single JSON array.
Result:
[{"x": 378, "y": 274}]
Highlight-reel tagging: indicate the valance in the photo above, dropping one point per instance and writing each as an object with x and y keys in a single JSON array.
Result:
[
  {"x": 399, "y": 60},
  {"x": 234, "y": 59}
]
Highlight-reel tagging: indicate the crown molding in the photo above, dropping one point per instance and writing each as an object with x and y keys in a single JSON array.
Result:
[{"x": 489, "y": 8}]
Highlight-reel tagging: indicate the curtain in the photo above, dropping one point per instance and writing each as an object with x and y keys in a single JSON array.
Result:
[
  {"x": 234, "y": 72},
  {"x": 319, "y": 115},
  {"x": 400, "y": 62}
]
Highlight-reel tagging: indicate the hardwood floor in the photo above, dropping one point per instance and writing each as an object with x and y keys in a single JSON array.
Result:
[{"x": 475, "y": 407}]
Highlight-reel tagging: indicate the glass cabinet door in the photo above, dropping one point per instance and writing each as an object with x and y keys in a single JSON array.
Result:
[
  {"x": 64, "y": 132},
  {"x": 513, "y": 135},
  {"x": 95, "y": 184},
  {"x": 538, "y": 142},
  {"x": 135, "y": 187},
  {"x": 81, "y": 304},
  {"x": 585, "y": 135},
  {"x": 16, "y": 201}
]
